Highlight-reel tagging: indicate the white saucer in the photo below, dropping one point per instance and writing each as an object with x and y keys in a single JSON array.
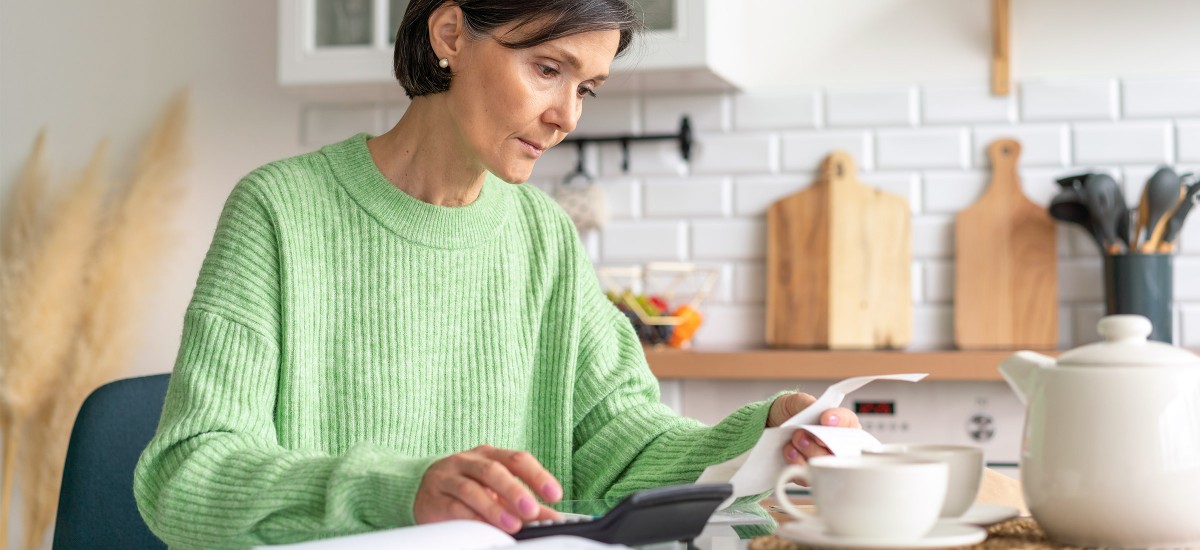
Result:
[
  {"x": 984, "y": 515},
  {"x": 944, "y": 534}
]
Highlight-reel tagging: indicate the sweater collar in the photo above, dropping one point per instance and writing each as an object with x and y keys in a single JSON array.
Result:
[{"x": 413, "y": 219}]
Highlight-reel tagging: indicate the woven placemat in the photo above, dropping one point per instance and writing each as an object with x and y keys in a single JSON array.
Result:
[{"x": 1015, "y": 533}]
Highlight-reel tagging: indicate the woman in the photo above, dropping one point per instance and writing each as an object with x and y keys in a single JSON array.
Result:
[{"x": 385, "y": 332}]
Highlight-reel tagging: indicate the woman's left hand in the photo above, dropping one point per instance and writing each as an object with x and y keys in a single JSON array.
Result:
[{"x": 802, "y": 446}]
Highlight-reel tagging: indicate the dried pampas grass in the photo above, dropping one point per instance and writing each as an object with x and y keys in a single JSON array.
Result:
[
  {"x": 99, "y": 257},
  {"x": 19, "y": 236}
]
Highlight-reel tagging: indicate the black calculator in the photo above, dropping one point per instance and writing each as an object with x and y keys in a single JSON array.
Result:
[{"x": 665, "y": 514}]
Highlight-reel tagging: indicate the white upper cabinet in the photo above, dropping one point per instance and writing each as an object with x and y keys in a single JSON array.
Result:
[
  {"x": 337, "y": 41},
  {"x": 686, "y": 45},
  {"x": 350, "y": 42}
]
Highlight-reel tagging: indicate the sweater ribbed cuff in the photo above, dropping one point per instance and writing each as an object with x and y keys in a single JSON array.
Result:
[{"x": 387, "y": 485}]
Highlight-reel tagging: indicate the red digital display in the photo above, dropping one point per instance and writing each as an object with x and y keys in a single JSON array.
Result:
[{"x": 875, "y": 407}]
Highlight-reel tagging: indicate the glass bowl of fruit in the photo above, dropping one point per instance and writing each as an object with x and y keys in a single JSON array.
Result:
[{"x": 661, "y": 300}]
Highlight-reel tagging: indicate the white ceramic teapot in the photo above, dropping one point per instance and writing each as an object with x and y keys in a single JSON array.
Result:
[{"x": 1111, "y": 450}]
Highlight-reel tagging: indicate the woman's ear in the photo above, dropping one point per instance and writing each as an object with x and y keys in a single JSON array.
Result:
[{"x": 446, "y": 31}]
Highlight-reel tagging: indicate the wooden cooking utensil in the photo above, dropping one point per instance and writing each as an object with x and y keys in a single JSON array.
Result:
[
  {"x": 1175, "y": 224},
  {"x": 1006, "y": 269},
  {"x": 839, "y": 264},
  {"x": 1160, "y": 226}
]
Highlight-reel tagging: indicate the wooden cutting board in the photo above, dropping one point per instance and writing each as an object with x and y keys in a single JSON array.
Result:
[
  {"x": 1006, "y": 267},
  {"x": 839, "y": 264}
]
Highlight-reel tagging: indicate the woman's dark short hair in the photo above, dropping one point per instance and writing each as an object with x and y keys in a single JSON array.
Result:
[{"x": 416, "y": 66}]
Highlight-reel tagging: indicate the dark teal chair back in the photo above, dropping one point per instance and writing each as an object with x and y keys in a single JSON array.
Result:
[{"x": 96, "y": 509}]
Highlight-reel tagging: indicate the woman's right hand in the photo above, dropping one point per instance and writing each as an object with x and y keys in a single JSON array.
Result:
[{"x": 485, "y": 484}]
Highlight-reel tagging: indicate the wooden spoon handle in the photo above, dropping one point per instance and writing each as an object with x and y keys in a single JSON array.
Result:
[{"x": 1160, "y": 226}]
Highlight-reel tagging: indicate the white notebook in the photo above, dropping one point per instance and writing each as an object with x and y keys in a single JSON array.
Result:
[{"x": 446, "y": 535}]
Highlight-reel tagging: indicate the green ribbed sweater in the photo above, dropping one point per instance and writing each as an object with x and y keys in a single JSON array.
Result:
[{"x": 344, "y": 335}]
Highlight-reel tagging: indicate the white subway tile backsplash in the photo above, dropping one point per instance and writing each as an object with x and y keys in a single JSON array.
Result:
[
  {"x": 1080, "y": 280},
  {"x": 1187, "y": 279},
  {"x": 591, "y": 243},
  {"x": 921, "y": 148},
  {"x": 902, "y": 184},
  {"x": 1063, "y": 235},
  {"x": 1083, "y": 244},
  {"x": 768, "y": 111},
  {"x": 1190, "y": 326},
  {"x": 1039, "y": 183},
  {"x": 1133, "y": 180},
  {"x": 875, "y": 107},
  {"x": 1177, "y": 324},
  {"x": 561, "y": 160},
  {"x": 1087, "y": 317},
  {"x": 736, "y": 239},
  {"x": 321, "y": 124},
  {"x": 1066, "y": 327},
  {"x": 1069, "y": 99},
  {"x": 949, "y": 192},
  {"x": 916, "y": 283},
  {"x": 624, "y": 198},
  {"x": 707, "y": 112},
  {"x": 965, "y": 103},
  {"x": 939, "y": 281},
  {"x": 1041, "y": 144},
  {"x": 1160, "y": 97},
  {"x": 610, "y": 114},
  {"x": 750, "y": 282},
  {"x": 932, "y": 327},
  {"x": 933, "y": 237},
  {"x": 804, "y": 151},
  {"x": 736, "y": 154},
  {"x": 1122, "y": 142},
  {"x": 644, "y": 241},
  {"x": 652, "y": 158},
  {"x": 731, "y": 326},
  {"x": 1189, "y": 238},
  {"x": 1188, "y": 134},
  {"x": 712, "y": 212},
  {"x": 753, "y": 195},
  {"x": 686, "y": 197}
]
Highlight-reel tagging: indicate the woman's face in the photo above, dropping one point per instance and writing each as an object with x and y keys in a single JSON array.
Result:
[{"x": 511, "y": 105}]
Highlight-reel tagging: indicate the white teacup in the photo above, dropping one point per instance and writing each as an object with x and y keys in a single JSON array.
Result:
[
  {"x": 884, "y": 498},
  {"x": 966, "y": 470}
]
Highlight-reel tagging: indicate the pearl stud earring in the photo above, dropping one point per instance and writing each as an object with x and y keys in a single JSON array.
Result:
[{"x": 443, "y": 63}]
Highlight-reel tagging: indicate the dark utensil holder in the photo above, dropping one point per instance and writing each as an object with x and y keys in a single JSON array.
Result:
[{"x": 1141, "y": 284}]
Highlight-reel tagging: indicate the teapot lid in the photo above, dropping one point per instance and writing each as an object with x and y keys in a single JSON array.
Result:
[{"x": 1125, "y": 343}]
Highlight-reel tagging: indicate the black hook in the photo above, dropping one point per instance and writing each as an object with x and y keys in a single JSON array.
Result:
[
  {"x": 579, "y": 168},
  {"x": 685, "y": 138}
]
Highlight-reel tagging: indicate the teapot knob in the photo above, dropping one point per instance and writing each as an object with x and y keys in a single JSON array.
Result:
[{"x": 1117, "y": 328}]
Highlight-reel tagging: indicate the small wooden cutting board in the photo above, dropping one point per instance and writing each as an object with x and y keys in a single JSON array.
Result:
[
  {"x": 839, "y": 264},
  {"x": 1006, "y": 265}
]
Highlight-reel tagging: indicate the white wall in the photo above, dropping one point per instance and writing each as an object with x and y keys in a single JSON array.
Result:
[
  {"x": 88, "y": 70},
  {"x": 85, "y": 70},
  {"x": 807, "y": 43}
]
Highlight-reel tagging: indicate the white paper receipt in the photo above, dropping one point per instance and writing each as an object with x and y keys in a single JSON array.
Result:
[{"x": 754, "y": 471}]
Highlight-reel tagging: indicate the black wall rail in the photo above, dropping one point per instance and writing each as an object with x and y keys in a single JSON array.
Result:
[{"x": 684, "y": 137}]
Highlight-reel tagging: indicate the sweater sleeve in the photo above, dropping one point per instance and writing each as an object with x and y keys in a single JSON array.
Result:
[
  {"x": 625, "y": 439},
  {"x": 215, "y": 474}
]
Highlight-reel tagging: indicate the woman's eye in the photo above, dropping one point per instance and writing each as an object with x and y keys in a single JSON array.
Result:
[
  {"x": 585, "y": 91},
  {"x": 548, "y": 70}
]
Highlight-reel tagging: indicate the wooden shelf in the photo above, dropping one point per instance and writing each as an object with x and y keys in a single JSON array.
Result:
[{"x": 767, "y": 364}]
